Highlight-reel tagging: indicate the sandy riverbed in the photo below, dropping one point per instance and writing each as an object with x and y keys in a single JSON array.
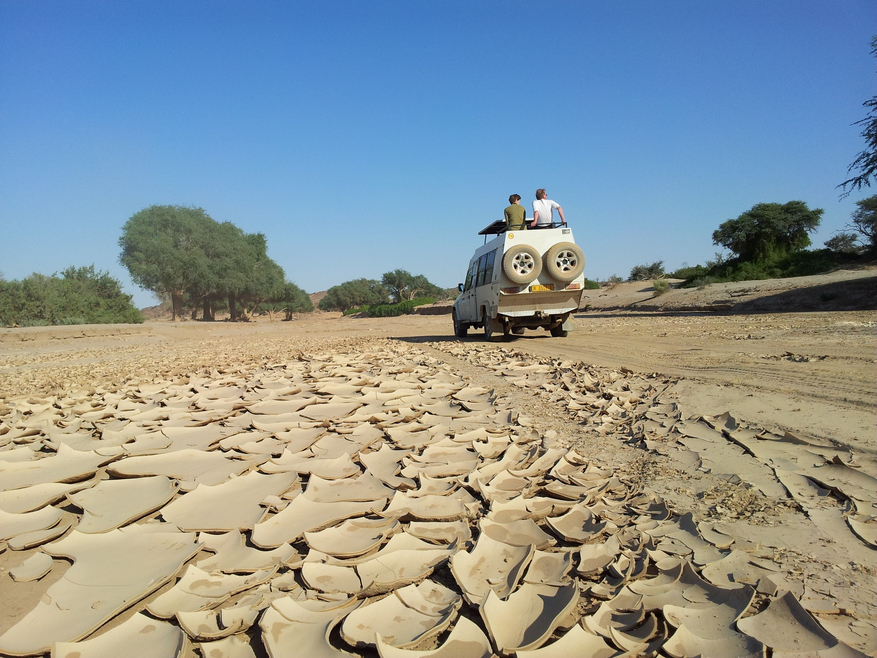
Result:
[{"x": 736, "y": 448}]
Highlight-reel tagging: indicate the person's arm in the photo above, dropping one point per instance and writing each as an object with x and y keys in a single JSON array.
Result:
[
  {"x": 535, "y": 218},
  {"x": 562, "y": 218}
]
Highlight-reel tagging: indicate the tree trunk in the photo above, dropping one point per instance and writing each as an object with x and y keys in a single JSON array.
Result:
[
  {"x": 208, "y": 309},
  {"x": 232, "y": 307},
  {"x": 256, "y": 303},
  {"x": 176, "y": 306}
]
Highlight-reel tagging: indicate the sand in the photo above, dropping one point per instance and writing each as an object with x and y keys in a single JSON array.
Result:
[{"x": 721, "y": 462}]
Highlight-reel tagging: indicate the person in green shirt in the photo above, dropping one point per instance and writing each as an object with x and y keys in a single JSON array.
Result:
[{"x": 515, "y": 214}]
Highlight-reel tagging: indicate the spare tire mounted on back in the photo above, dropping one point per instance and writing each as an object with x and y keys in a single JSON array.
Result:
[
  {"x": 565, "y": 261},
  {"x": 522, "y": 263}
]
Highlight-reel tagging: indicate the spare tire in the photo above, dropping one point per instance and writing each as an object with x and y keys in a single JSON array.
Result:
[
  {"x": 521, "y": 264},
  {"x": 565, "y": 261}
]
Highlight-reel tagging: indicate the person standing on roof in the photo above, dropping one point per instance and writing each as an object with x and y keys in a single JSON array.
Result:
[
  {"x": 542, "y": 211},
  {"x": 515, "y": 215}
]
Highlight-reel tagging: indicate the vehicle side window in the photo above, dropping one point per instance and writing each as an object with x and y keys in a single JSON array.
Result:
[
  {"x": 481, "y": 269},
  {"x": 470, "y": 276},
  {"x": 488, "y": 266}
]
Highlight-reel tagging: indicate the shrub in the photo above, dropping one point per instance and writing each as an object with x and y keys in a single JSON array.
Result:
[
  {"x": 402, "y": 308},
  {"x": 689, "y": 272},
  {"x": 661, "y": 286},
  {"x": 358, "y": 309},
  {"x": 591, "y": 285},
  {"x": 647, "y": 272},
  {"x": 76, "y": 296}
]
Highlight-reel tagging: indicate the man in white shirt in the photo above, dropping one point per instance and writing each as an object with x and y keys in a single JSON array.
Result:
[{"x": 542, "y": 209}]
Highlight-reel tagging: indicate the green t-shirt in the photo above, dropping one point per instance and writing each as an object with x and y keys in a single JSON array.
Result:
[{"x": 515, "y": 215}]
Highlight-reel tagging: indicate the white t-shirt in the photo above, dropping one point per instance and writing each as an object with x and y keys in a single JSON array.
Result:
[{"x": 544, "y": 208}]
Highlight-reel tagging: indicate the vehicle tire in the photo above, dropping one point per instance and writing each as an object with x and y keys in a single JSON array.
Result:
[
  {"x": 564, "y": 261},
  {"x": 517, "y": 331},
  {"x": 521, "y": 264},
  {"x": 488, "y": 325},
  {"x": 559, "y": 331},
  {"x": 460, "y": 328}
]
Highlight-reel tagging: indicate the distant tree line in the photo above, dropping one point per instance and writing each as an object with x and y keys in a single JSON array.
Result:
[
  {"x": 75, "y": 296},
  {"x": 394, "y": 287},
  {"x": 181, "y": 253}
]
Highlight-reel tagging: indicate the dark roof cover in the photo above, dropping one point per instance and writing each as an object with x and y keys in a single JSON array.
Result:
[{"x": 496, "y": 228}]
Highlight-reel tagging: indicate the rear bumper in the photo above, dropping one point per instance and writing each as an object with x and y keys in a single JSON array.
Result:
[{"x": 524, "y": 304}]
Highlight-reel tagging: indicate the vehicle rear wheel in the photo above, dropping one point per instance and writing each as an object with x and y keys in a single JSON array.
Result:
[
  {"x": 460, "y": 328},
  {"x": 517, "y": 330},
  {"x": 559, "y": 331},
  {"x": 488, "y": 325},
  {"x": 522, "y": 263},
  {"x": 565, "y": 261}
]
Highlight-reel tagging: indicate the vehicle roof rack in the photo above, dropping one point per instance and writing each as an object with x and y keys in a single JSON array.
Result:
[
  {"x": 499, "y": 226},
  {"x": 496, "y": 228}
]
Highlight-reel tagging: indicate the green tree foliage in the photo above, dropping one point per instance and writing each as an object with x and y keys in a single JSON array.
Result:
[
  {"x": 294, "y": 300},
  {"x": 351, "y": 294},
  {"x": 769, "y": 231},
  {"x": 647, "y": 272},
  {"x": 404, "y": 286},
  {"x": 163, "y": 250},
  {"x": 183, "y": 253},
  {"x": 844, "y": 243},
  {"x": 76, "y": 296},
  {"x": 864, "y": 222},
  {"x": 866, "y": 162}
]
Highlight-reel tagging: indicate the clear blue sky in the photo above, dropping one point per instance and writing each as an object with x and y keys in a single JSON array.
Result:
[{"x": 362, "y": 137}]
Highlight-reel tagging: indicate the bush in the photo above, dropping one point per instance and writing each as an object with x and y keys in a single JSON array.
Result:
[
  {"x": 647, "y": 272},
  {"x": 798, "y": 263},
  {"x": 402, "y": 308},
  {"x": 689, "y": 272},
  {"x": 76, "y": 296},
  {"x": 591, "y": 285},
  {"x": 661, "y": 286},
  {"x": 358, "y": 309}
]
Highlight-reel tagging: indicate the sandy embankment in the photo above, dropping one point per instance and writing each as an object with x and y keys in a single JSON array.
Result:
[{"x": 717, "y": 463}]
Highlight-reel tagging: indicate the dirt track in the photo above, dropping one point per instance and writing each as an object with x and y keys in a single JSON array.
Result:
[{"x": 811, "y": 375}]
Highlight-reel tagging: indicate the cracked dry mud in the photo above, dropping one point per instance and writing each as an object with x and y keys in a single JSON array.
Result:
[{"x": 385, "y": 490}]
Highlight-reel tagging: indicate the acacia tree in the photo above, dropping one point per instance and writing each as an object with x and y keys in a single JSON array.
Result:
[
  {"x": 866, "y": 162},
  {"x": 177, "y": 251},
  {"x": 351, "y": 294},
  {"x": 404, "y": 286},
  {"x": 294, "y": 300},
  {"x": 769, "y": 230},
  {"x": 163, "y": 250},
  {"x": 864, "y": 221},
  {"x": 265, "y": 283}
]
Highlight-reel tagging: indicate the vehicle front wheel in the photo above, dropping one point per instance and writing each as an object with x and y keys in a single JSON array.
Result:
[
  {"x": 460, "y": 328},
  {"x": 559, "y": 331},
  {"x": 488, "y": 326}
]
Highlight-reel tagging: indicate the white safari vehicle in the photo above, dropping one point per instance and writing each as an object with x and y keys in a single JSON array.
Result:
[{"x": 519, "y": 280}]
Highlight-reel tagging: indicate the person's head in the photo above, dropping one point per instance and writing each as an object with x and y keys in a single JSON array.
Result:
[
  {"x": 514, "y": 198},
  {"x": 541, "y": 194}
]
